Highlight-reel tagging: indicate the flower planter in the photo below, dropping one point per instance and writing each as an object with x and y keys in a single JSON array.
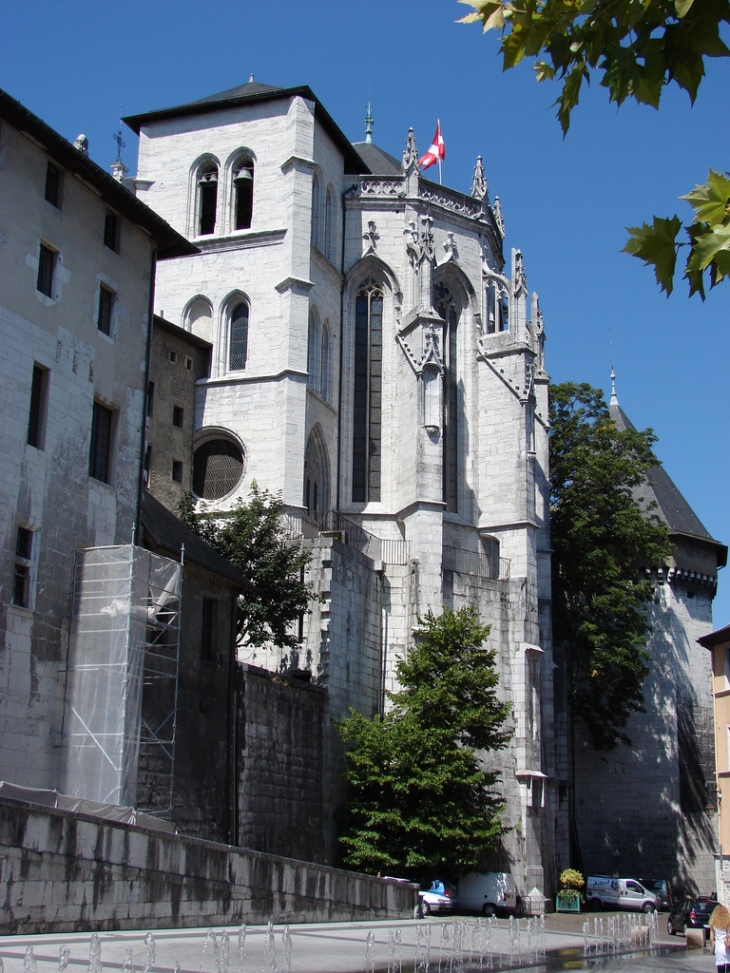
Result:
[{"x": 567, "y": 903}]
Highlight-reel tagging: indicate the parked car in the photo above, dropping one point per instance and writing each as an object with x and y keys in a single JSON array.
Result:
[
  {"x": 690, "y": 914},
  {"x": 660, "y": 888},
  {"x": 441, "y": 897}
]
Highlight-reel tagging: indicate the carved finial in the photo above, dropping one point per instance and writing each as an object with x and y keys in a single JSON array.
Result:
[
  {"x": 250, "y": 78},
  {"x": 82, "y": 144},
  {"x": 450, "y": 248},
  {"x": 499, "y": 219},
  {"x": 369, "y": 124},
  {"x": 410, "y": 153},
  {"x": 519, "y": 282},
  {"x": 371, "y": 238},
  {"x": 479, "y": 182},
  {"x": 427, "y": 236}
]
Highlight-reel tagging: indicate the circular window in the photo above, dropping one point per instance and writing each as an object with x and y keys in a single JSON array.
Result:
[{"x": 217, "y": 468}]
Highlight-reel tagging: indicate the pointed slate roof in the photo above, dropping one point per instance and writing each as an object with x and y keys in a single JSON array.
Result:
[
  {"x": 659, "y": 487},
  {"x": 379, "y": 163},
  {"x": 251, "y": 93}
]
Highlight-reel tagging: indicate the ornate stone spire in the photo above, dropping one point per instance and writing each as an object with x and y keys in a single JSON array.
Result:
[
  {"x": 410, "y": 153},
  {"x": 369, "y": 124},
  {"x": 479, "y": 182}
]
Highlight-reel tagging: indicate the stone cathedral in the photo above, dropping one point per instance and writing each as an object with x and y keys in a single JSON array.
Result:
[{"x": 378, "y": 360}]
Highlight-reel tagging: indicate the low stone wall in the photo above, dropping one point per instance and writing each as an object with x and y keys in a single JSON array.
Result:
[{"x": 62, "y": 872}]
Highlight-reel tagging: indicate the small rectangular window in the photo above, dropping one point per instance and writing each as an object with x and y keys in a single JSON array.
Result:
[
  {"x": 111, "y": 231},
  {"x": 101, "y": 443},
  {"x": 150, "y": 399},
  {"x": 24, "y": 555},
  {"x": 208, "y": 622},
  {"x": 173, "y": 357},
  {"x": 46, "y": 263},
  {"x": 177, "y": 416},
  {"x": 177, "y": 470},
  {"x": 36, "y": 417},
  {"x": 53, "y": 185},
  {"x": 189, "y": 363},
  {"x": 106, "y": 308}
]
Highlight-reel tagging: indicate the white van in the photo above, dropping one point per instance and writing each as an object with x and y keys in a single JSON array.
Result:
[
  {"x": 604, "y": 891},
  {"x": 490, "y": 893}
]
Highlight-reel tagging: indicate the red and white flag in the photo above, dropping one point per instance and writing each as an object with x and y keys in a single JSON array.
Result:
[{"x": 436, "y": 152}]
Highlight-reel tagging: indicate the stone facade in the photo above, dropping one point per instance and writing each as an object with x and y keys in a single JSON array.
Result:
[
  {"x": 178, "y": 359},
  {"x": 379, "y": 362},
  {"x": 76, "y": 257}
]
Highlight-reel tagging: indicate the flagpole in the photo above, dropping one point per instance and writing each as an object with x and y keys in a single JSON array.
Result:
[{"x": 439, "y": 152}]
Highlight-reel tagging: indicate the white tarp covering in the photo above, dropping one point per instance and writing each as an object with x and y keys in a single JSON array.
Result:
[{"x": 120, "y": 593}]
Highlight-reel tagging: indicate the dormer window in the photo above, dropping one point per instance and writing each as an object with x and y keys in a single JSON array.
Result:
[
  {"x": 207, "y": 199},
  {"x": 243, "y": 193}
]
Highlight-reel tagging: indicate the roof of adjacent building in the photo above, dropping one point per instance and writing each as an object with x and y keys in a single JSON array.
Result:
[
  {"x": 379, "y": 163},
  {"x": 715, "y": 638},
  {"x": 169, "y": 534},
  {"x": 251, "y": 93},
  {"x": 170, "y": 242},
  {"x": 659, "y": 488},
  {"x": 181, "y": 333}
]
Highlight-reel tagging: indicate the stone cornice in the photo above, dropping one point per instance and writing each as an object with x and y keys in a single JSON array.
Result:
[
  {"x": 292, "y": 283},
  {"x": 245, "y": 240}
]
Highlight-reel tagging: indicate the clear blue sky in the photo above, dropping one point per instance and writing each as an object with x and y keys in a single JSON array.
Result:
[{"x": 565, "y": 201}]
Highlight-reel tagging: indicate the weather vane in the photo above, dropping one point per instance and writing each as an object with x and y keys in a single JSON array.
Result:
[{"x": 120, "y": 144}]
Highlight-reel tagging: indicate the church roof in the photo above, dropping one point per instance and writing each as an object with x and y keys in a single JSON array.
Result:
[
  {"x": 659, "y": 487},
  {"x": 379, "y": 163},
  {"x": 249, "y": 93}
]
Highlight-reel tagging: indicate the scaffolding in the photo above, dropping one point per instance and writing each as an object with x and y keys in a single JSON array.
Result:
[{"x": 122, "y": 677}]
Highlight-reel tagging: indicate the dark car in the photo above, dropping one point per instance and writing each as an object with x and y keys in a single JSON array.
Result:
[
  {"x": 660, "y": 888},
  {"x": 690, "y": 914}
]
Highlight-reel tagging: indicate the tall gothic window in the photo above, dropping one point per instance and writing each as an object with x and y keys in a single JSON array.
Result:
[
  {"x": 366, "y": 450},
  {"x": 329, "y": 228},
  {"x": 449, "y": 310},
  {"x": 238, "y": 339},
  {"x": 325, "y": 369},
  {"x": 317, "y": 215}
]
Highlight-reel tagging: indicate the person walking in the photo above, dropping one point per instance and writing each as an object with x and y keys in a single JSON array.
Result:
[{"x": 719, "y": 936}]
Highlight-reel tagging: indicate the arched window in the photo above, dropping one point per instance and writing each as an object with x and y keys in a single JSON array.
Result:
[
  {"x": 317, "y": 215},
  {"x": 199, "y": 319},
  {"x": 243, "y": 172},
  {"x": 497, "y": 308},
  {"x": 238, "y": 337},
  {"x": 313, "y": 351},
  {"x": 316, "y": 475},
  {"x": 325, "y": 369},
  {"x": 449, "y": 310},
  {"x": 207, "y": 198},
  {"x": 367, "y": 393},
  {"x": 329, "y": 228}
]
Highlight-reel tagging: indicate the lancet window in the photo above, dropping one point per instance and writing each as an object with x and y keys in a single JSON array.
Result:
[
  {"x": 449, "y": 309},
  {"x": 497, "y": 307},
  {"x": 366, "y": 453},
  {"x": 207, "y": 198},
  {"x": 238, "y": 337},
  {"x": 243, "y": 172}
]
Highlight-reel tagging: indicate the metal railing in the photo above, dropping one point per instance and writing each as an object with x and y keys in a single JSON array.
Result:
[
  {"x": 334, "y": 524},
  {"x": 473, "y": 562}
]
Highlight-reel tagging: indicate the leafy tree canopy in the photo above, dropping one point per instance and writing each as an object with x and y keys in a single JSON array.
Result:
[
  {"x": 420, "y": 803},
  {"x": 603, "y": 540},
  {"x": 254, "y": 539},
  {"x": 636, "y": 47}
]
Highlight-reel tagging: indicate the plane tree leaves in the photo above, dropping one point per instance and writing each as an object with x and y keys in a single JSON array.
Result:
[{"x": 635, "y": 48}]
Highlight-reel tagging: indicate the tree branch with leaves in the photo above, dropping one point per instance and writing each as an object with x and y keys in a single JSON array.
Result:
[{"x": 637, "y": 48}]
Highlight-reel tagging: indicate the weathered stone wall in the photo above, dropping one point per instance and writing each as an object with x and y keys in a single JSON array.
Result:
[
  {"x": 65, "y": 872},
  {"x": 642, "y": 810},
  {"x": 282, "y": 724}
]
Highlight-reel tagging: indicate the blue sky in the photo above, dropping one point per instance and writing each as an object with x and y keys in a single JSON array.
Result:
[{"x": 79, "y": 64}]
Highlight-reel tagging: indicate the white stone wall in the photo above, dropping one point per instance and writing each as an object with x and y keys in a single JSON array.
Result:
[{"x": 48, "y": 489}]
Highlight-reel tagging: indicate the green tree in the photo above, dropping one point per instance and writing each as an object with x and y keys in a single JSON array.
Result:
[
  {"x": 603, "y": 540},
  {"x": 419, "y": 800},
  {"x": 254, "y": 539},
  {"x": 637, "y": 47}
]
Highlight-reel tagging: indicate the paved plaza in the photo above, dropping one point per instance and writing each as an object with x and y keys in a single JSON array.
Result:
[{"x": 343, "y": 948}]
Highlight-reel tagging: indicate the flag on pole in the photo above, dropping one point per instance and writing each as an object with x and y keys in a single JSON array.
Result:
[{"x": 436, "y": 152}]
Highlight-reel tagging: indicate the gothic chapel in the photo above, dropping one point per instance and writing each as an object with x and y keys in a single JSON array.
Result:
[{"x": 378, "y": 360}]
